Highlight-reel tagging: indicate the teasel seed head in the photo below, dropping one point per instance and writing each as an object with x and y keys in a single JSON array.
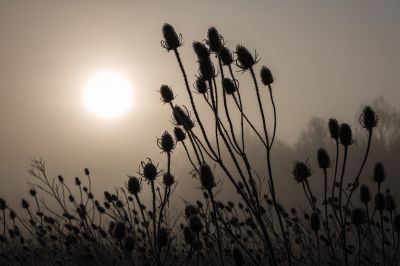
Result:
[
  {"x": 380, "y": 201},
  {"x": 358, "y": 216},
  {"x": 226, "y": 56},
  {"x": 182, "y": 118},
  {"x": 345, "y": 135},
  {"x": 333, "y": 128},
  {"x": 171, "y": 40},
  {"x": 32, "y": 192},
  {"x": 315, "y": 221},
  {"x": 201, "y": 51},
  {"x": 237, "y": 256},
  {"x": 214, "y": 40},
  {"x": 166, "y": 143},
  {"x": 3, "y": 204},
  {"x": 379, "y": 173},
  {"x": 201, "y": 85},
  {"x": 167, "y": 95},
  {"x": 87, "y": 172},
  {"x": 180, "y": 135},
  {"x": 134, "y": 185},
  {"x": 77, "y": 181},
  {"x": 195, "y": 223},
  {"x": 25, "y": 204},
  {"x": 149, "y": 170},
  {"x": 60, "y": 178},
  {"x": 207, "y": 69},
  {"x": 324, "y": 161},
  {"x": 365, "y": 194},
  {"x": 207, "y": 178},
  {"x": 168, "y": 179},
  {"x": 266, "y": 76},
  {"x": 368, "y": 118},
  {"x": 301, "y": 171},
  {"x": 245, "y": 59},
  {"x": 228, "y": 86}
]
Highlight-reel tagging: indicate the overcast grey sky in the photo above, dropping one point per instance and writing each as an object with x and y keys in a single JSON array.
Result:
[{"x": 329, "y": 58}]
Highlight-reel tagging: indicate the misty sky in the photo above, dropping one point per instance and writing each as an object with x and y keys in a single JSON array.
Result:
[{"x": 329, "y": 58}]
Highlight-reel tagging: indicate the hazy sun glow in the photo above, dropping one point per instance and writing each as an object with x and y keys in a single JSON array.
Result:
[{"x": 108, "y": 94}]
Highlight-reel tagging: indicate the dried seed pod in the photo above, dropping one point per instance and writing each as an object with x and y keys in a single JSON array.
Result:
[
  {"x": 207, "y": 178},
  {"x": 182, "y": 118},
  {"x": 180, "y": 135},
  {"x": 379, "y": 173},
  {"x": 345, "y": 135},
  {"x": 171, "y": 40},
  {"x": 201, "y": 51},
  {"x": 149, "y": 170},
  {"x": 168, "y": 179},
  {"x": 166, "y": 143},
  {"x": 324, "y": 161},
  {"x": 245, "y": 59},
  {"x": 365, "y": 195},
  {"x": 368, "y": 118},
  {"x": 166, "y": 93},
  {"x": 333, "y": 128},
  {"x": 207, "y": 69},
  {"x": 301, "y": 171},
  {"x": 228, "y": 86},
  {"x": 266, "y": 76},
  {"x": 189, "y": 210},
  {"x": 226, "y": 56},
  {"x": 214, "y": 40},
  {"x": 134, "y": 185}
]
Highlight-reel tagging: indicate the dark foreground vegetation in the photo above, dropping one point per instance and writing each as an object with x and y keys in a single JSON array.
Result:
[{"x": 350, "y": 224}]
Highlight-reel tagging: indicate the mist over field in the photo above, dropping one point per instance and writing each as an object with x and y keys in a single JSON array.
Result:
[{"x": 262, "y": 132}]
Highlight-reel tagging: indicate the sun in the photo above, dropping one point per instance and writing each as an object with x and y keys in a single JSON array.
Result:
[{"x": 108, "y": 94}]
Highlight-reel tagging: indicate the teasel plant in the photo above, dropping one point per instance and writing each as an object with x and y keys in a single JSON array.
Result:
[{"x": 223, "y": 129}]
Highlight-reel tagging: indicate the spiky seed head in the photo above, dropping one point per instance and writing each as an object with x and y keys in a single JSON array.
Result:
[
  {"x": 358, "y": 216},
  {"x": 134, "y": 185},
  {"x": 214, "y": 40},
  {"x": 345, "y": 135},
  {"x": 201, "y": 85},
  {"x": 333, "y": 126},
  {"x": 301, "y": 171},
  {"x": 266, "y": 76},
  {"x": 162, "y": 237},
  {"x": 60, "y": 178},
  {"x": 237, "y": 256},
  {"x": 379, "y": 173},
  {"x": 315, "y": 221},
  {"x": 77, "y": 181},
  {"x": 119, "y": 230},
  {"x": 396, "y": 224},
  {"x": 171, "y": 40},
  {"x": 166, "y": 93},
  {"x": 24, "y": 204},
  {"x": 182, "y": 118},
  {"x": 108, "y": 196},
  {"x": 195, "y": 223},
  {"x": 324, "y": 161},
  {"x": 189, "y": 210},
  {"x": 228, "y": 86},
  {"x": 368, "y": 118},
  {"x": 201, "y": 51},
  {"x": 129, "y": 243},
  {"x": 380, "y": 201},
  {"x": 32, "y": 192},
  {"x": 365, "y": 194},
  {"x": 245, "y": 59},
  {"x": 166, "y": 142},
  {"x": 390, "y": 203},
  {"x": 180, "y": 135},
  {"x": 168, "y": 179},
  {"x": 206, "y": 69},
  {"x": 207, "y": 178},
  {"x": 226, "y": 56},
  {"x": 149, "y": 170},
  {"x": 188, "y": 236}
]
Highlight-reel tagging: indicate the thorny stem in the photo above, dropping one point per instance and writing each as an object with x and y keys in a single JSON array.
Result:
[
  {"x": 216, "y": 226},
  {"x": 343, "y": 225}
]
